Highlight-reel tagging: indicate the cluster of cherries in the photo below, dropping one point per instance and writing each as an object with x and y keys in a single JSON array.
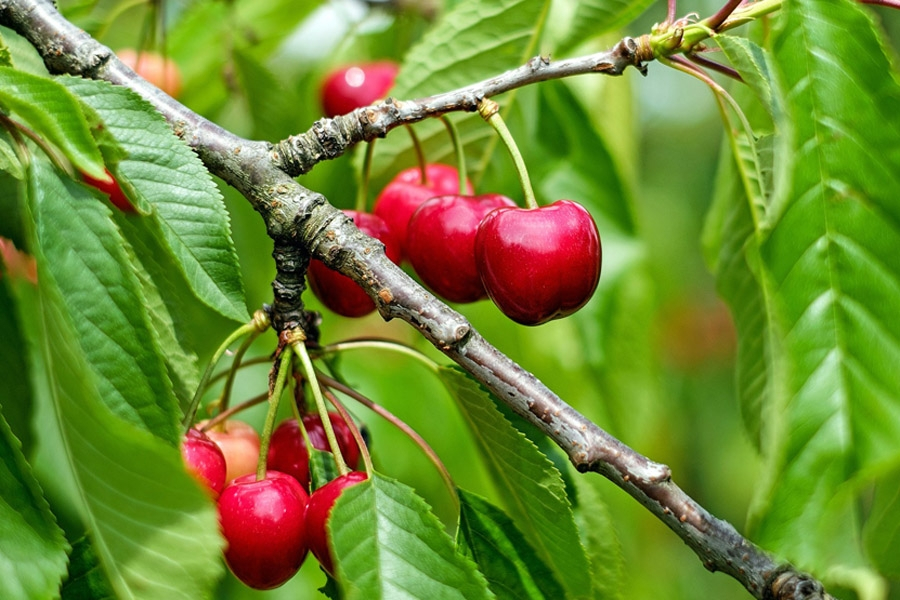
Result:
[
  {"x": 271, "y": 523},
  {"x": 536, "y": 264}
]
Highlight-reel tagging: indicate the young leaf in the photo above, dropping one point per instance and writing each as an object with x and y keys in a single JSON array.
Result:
[
  {"x": 188, "y": 207},
  {"x": 84, "y": 251},
  {"x": 387, "y": 544},
  {"x": 831, "y": 258},
  {"x": 512, "y": 568},
  {"x": 32, "y": 547},
  {"x": 53, "y": 113},
  {"x": 529, "y": 483}
]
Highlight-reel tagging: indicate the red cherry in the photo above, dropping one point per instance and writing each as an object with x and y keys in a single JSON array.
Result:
[
  {"x": 539, "y": 264},
  {"x": 111, "y": 188},
  {"x": 264, "y": 523},
  {"x": 441, "y": 243},
  {"x": 338, "y": 292},
  {"x": 318, "y": 510},
  {"x": 355, "y": 86},
  {"x": 405, "y": 193},
  {"x": 239, "y": 443},
  {"x": 204, "y": 460},
  {"x": 287, "y": 450}
]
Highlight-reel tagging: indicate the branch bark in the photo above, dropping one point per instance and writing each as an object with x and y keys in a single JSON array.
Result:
[{"x": 303, "y": 224}]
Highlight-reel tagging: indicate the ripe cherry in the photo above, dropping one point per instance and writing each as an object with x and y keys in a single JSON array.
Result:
[
  {"x": 156, "y": 69},
  {"x": 539, "y": 264},
  {"x": 288, "y": 453},
  {"x": 111, "y": 188},
  {"x": 406, "y": 192},
  {"x": 355, "y": 86},
  {"x": 338, "y": 292},
  {"x": 441, "y": 243},
  {"x": 318, "y": 510},
  {"x": 264, "y": 523},
  {"x": 239, "y": 443},
  {"x": 204, "y": 460}
]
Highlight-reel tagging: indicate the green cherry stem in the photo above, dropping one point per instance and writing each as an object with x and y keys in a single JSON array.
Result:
[
  {"x": 379, "y": 344},
  {"x": 309, "y": 372},
  {"x": 362, "y": 192},
  {"x": 354, "y": 430},
  {"x": 458, "y": 150},
  {"x": 235, "y": 365},
  {"x": 284, "y": 368},
  {"x": 420, "y": 154},
  {"x": 490, "y": 112},
  {"x": 259, "y": 322}
]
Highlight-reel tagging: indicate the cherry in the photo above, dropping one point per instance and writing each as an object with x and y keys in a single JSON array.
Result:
[
  {"x": 539, "y": 264},
  {"x": 239, "y": 443},
  {"x": 318, "y": 510},
  {"x": 441, "y": 243},
  {"x": 111, "y": 188},
  {"x": 264, "y": 523},
  {"x": 156, "y": 69},
  {"x": 288, "y": 453},
  {"x": 355, "y": 86},
  {"x": 338, "y": 292},
  {"x": 204, "y": 460},
  {"x": 406, "y": 192}
]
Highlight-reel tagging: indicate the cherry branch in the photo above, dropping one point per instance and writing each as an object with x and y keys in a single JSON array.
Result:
[{"x": 303, "y": 224}]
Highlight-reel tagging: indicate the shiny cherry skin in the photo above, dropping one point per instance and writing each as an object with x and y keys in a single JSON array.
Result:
[
  {"x": 239, "y": 443},
  {"x": 539, "y": 264},
  {"x": 288, "y": 453},
  {"x": 441, "y": 243},
  {"x": 264, "y": 523},
  {"x": 318, "y": 510},
  {"x": 339, "y": 293},
  {"x": 204, "y": 460},
  {"x": 406, "y": 192},
  {"x": 355, "y": 86},
  {"x": 111, "y": 188}
]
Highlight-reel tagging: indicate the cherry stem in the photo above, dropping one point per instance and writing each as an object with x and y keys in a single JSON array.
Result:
[
  {"x": 420, "y": 155},
  {"x": 354, "y": 429},
  {"x": 888, "y": 3},
  {"x": 715, "y": 21},
  {"x": 399, "y": 424},
  {"x": 362, "y": 192},
  {"x": 670, "y": 14},
  {"x": 224, "y": 415},
  {"x": 259, "y": 322},
  {"x": 490, "y": 112},
  {"x": 310, "y": 373},
  {"x": 379, "y": 344},
  {"x": 458, "y": 150},
  {"x": 14, "y": 128},
  {"x": 284, "y": 368},
  {"x": 258, "y": 360},
  {"x": 235, "y": 365},
  {"x": 713, "y": 65}
]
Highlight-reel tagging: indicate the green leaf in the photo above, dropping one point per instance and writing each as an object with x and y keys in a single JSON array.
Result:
[
  {"x": 529, "y": 484},
  {"x": 576, "y": 21},
  {"x": 32, "y": 547},
  {"x": 5, "y": 56},
  {"x": 84, "y": 251},
  {"x": 831, "y": 259},
  {"x": 15, "y": 388},
  {"x": 53, "y": 113},
  {"x": 271, "y": 105},
  {"x": 599, "y": 536},
  {"x": 322, "y": 468},
  {"x": 86, "y": 577},
  {"x": 188, "y": 208},
  {"x": 153, "y": 528},
  {"x": 387, "y": 544},
  {"x": 9, "y": 162},
  {"x": 753, "y": 64},
  {"x": 512, "y": 568},
  {"x": 882, "y": 530}
]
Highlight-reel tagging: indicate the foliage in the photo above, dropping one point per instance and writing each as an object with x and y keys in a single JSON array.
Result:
[{"x": 790, "y": 431}]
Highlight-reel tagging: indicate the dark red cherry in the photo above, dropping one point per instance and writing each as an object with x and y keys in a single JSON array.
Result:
[
  {"x": 111, "y": 188},
  {"x": 318, "y": 510},
  {"x": 288, "y": 453},
  {"x": 355, "y": 86},
  {"x": 204, "y": 460}
]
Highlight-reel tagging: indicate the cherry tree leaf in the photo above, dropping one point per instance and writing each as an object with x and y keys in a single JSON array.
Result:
[
  {"x": 86, "y": 578},
  {"x": 187, "y": 206},
  {"x": 527, "y": 481},
  {"x": 831, "y": 263},
  {"x": 387, "y": 544},
  {"x": 574, "y": 21}
]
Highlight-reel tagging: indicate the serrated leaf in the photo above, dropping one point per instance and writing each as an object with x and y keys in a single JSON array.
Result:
[
  {"x": 752, "y": 63},
  {"x": 599, "y": 536},
  {"x": 84, "y": 252},
  {"x": 32, "y": 546},
  {"x": 387, "y": 544},
  {"x": 151, "y": 524},
  {"x": 490, "y": 538},
  {"x": 831, "y": 258},
  {"x": 86, "y": 578},
  {"x": 53, "y": 113},
  {"x": 188, "y": 208},
  {"x": 322, "y": 468},
  {"x": 587, "y": 19},
  {"x": 531, "y": 487}
]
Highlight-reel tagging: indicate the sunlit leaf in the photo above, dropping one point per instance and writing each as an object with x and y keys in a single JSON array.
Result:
[{"x": 577, "y": 21}]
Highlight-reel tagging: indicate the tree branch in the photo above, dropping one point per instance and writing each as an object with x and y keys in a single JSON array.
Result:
[{"x": 303, "y": 225}]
